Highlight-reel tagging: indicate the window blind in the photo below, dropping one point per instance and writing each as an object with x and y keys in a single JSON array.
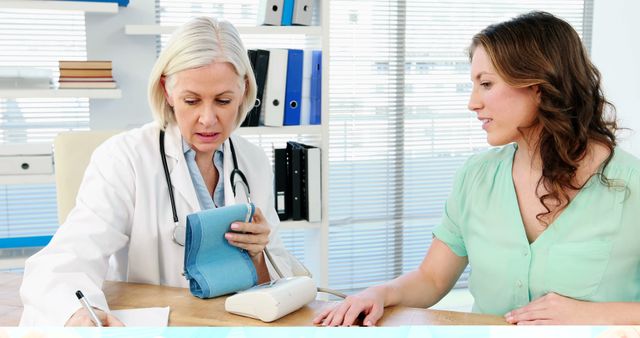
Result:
[
  {"x": 38, "y": 39},
  {"x": 399, "y": 126}
]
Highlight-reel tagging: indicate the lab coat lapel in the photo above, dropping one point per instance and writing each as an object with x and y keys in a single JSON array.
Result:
[{"x": 179, "y": 172}]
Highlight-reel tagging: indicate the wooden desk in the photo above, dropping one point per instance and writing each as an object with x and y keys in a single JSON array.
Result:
[{"x": 187, "y": 310}]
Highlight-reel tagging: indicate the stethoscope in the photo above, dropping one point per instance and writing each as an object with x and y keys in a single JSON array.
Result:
[{"x": 179, "y": 231}]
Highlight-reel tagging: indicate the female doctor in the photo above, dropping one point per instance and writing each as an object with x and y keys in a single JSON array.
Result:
[{"x": 122, "y": 227}]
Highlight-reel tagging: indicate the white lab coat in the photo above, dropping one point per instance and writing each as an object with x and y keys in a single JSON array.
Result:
[{"x": 122, "y": 225}]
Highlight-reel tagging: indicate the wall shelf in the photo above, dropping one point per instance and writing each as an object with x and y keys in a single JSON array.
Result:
[
  {"x": 46, "y": 93},
  {"x": 259, "y": 30},
  {"x": 27, "y": 179},
  {"x": 83, "y": 6},
  {"x": 286, "y": 130},
  {"x": 302, "y": 225}
]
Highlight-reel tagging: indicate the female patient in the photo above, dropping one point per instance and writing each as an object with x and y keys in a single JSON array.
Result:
[
  {"x": 200, "y": 90},
  {"x": 550, "y": 222}
]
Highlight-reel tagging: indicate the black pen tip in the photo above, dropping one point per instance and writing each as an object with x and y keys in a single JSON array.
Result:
[{"x": 79, "y": 294}]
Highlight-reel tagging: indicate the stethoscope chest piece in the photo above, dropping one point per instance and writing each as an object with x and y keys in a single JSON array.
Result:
[{"x": 179, "y": 234}]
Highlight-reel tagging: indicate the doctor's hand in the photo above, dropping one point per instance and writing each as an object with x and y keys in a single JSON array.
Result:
[
  {"x": 252, "y": 237},
  {"x": 553, "y": 308},
  {"x": 370, "y": 302},
  {"x": 83, "y": 318}
]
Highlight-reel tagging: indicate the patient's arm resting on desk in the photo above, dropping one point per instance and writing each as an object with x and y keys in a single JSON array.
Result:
[
  {"x": 554, "y": 309},
  {"x": 423, "y": 287}
]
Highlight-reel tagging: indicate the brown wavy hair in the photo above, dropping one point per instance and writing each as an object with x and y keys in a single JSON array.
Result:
[{"x": 540, "y": 49}]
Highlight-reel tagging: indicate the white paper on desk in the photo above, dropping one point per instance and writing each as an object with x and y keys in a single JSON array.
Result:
[{"x": 152, "y": 316}]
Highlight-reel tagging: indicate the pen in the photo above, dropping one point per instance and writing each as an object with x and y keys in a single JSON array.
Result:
[{"x": 87, "y": 306}]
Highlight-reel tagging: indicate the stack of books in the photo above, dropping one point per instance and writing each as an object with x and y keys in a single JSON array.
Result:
[{"x": 86, "y": 74}]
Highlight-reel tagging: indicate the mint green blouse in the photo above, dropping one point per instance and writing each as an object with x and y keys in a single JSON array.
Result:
[{"x": 590, "y": 252}]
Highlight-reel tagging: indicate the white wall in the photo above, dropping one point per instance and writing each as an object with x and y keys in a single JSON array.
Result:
[
  {"x": 616, "y": 53},
  {"x": 132, "y": 56}
]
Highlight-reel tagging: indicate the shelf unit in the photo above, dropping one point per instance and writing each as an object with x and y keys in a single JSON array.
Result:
[
  {"x": 27, "y": 179},
  {"x": 316, "y": 234},
  {"x": 47, "y": 93},
  {"x": 82, "y": 6},
  {"x": 134, "y": 50},
  {"x": 304, "y": 225},
  {"x": 323, "y": 234},
  {"x": 276, "y": 30},
  {"x": 288, "y": 130}
]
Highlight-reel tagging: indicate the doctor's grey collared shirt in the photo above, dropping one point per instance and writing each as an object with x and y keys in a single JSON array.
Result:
[{"x": 206, "y": 200}]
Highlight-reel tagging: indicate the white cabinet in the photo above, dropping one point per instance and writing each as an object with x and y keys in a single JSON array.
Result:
[{"x": 26, "y": 163}]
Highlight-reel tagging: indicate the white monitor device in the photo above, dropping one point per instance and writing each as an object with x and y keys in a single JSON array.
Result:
[{"x": 270, "y": 301}]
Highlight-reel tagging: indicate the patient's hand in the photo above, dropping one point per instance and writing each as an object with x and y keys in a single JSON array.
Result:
[
  {"x": 369, "y": 302},
  {"x": 554, "y": 309},
  {"x": 83, "y": 318}
]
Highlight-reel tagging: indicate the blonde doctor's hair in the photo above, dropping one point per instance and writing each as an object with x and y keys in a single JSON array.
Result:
[{"x": 198, "y": 43}]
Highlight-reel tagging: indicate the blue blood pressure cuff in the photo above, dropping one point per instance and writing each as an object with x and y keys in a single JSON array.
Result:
[{"x": 212, "y": 265}]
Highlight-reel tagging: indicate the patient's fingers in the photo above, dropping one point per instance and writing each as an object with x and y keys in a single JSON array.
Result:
[
  {"x": 319, "y": 318},
  {"x": 338, "y": 314}
]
